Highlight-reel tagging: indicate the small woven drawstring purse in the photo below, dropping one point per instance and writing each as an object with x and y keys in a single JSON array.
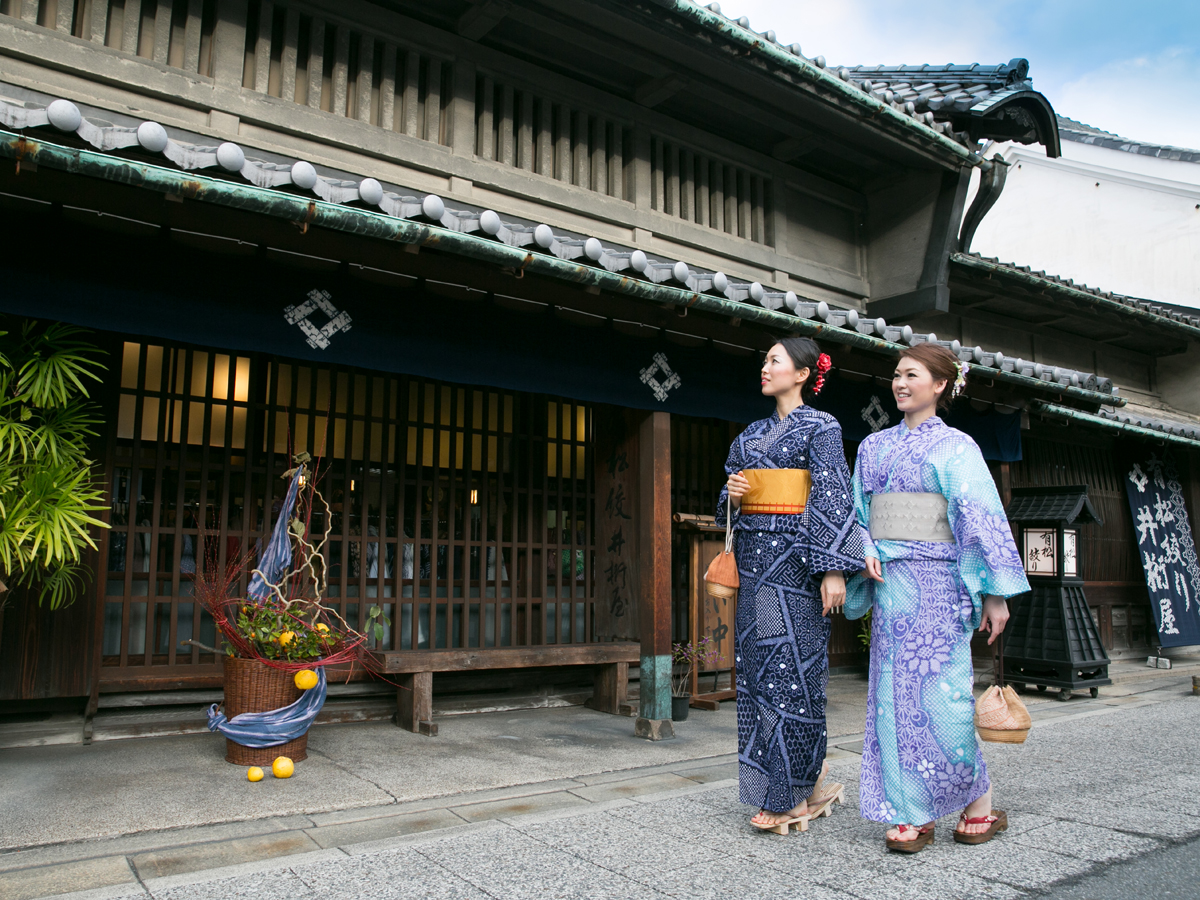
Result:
[
  {"x": 1000, "y": 716},
  {"x": 722, "y": 580}
]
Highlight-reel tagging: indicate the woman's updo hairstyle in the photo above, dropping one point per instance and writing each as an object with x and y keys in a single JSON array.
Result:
[
  {"x": 942, "y": 365},
  {"x": 805, "y": 354}
]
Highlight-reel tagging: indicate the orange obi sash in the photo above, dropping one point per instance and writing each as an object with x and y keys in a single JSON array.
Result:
[{"x": 776, "y": 492}]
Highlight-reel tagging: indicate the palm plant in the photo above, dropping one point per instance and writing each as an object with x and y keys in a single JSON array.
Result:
[{"x": 48, "y": 488}]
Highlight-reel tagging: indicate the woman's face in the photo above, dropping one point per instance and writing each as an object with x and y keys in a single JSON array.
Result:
[
  {"x": 914, "y": 387},
  {"x": 779, "y": 373}
]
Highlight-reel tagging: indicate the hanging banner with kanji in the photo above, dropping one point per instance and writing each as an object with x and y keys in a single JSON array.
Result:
[{"x": 1165, "y": 545}]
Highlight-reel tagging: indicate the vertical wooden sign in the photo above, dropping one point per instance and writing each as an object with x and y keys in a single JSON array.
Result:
[{"x": 616, "y": 524}]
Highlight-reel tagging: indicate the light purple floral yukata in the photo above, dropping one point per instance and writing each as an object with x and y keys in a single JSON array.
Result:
[{"x": 920, "y": 756}]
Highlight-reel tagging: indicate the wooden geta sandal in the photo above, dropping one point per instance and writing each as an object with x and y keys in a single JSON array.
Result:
[
  {"x": 784, "y": 826},
  {"x": 824, "y": 807},
  {"x": 923, "y": 839},
  {"x": 997, "y": 822}
]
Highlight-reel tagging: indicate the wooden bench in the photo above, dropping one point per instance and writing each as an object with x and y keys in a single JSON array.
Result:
[{"x": 415, "y": 668}]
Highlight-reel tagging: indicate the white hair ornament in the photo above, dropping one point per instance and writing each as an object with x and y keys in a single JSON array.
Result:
[{"x": 960, "y": 380}]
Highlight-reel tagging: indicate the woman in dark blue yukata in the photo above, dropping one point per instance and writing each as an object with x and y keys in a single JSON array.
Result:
[{"x": 796, "y": 539}]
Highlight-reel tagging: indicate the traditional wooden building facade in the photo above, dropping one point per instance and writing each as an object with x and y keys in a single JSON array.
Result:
[{"x": 501, "y": 266}]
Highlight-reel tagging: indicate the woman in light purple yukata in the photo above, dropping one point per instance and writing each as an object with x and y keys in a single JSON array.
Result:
[{"x": 940, "y": 562}]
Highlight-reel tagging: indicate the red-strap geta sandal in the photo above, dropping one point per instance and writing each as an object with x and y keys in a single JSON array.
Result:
[
  {"x": 997, "y": 822},
  {"x": 923, "y": 839}
]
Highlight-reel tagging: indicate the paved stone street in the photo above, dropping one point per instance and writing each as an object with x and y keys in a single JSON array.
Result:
[{"x": 671, "y": 829}]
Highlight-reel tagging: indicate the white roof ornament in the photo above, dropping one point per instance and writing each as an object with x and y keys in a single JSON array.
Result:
[
  {"x": 489, "y": 222},
  {"x": 433, "y": 207},
  {"x": 64, "y": 115},
  {"x": 304, "y": 176},
  {"x": 230, "y": 157},
  {"x": 153, "y": 137},
  {"x": 370, "y": 191}
]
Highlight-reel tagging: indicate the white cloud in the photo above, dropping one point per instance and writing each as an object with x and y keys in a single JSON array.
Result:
[{"x": 1147, "y": 98}]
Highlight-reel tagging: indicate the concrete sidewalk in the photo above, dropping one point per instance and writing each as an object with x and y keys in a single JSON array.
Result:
[{"x": 136, "y": 812}]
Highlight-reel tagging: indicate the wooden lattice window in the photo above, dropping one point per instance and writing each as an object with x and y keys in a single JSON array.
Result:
[
  {"x": 465, "y": 512},
  {"x": 699, "y": 448}
]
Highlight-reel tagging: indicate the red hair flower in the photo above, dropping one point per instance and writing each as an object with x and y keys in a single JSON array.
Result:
[{"x": 824, "y": 364}]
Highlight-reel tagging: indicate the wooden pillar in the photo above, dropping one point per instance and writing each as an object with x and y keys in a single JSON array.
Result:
[
  {"x": 229, "y": 43},
  {"x": 462, "y": 109},
  {"x": 654, "y": 552}
]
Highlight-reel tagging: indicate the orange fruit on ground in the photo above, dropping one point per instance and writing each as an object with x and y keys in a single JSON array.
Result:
[
  {"x": 306, "y": 679},
  {"x": 254, "y": 773},
  {"x": 282, "y": 767}
]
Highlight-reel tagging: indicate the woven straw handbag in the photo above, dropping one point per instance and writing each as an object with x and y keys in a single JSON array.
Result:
[
  {"x": 722, "y": 580},
  {"x": 1000, "y": 716}
]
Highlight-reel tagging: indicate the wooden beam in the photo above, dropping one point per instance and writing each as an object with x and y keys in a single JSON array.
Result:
[
  {"x": 654, "y": 551},
  {"x": 656, "y": 90},
  {"x": 794, "y": 147},
  {"x": 467, "y": 660},
  {"x": 482, "y": 18}
]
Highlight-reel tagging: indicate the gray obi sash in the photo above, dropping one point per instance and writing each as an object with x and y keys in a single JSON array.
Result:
[{"x": 910, "y": 517}]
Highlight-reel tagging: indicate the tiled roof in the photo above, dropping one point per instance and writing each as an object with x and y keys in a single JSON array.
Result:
[
  {"x": 766, "y": 45},
  {"x": 967, "y": 103},
  {"x": 231, "y": 161},
  {"x": 1080, "y": 133},
  {"x": 1144, "y": 419},
  {"x": 1068, "y": 505},
  {"x": 1139, "y": 423},
  {"x": 996, "y": 102},
  {"x": 1178, "y": 318}
]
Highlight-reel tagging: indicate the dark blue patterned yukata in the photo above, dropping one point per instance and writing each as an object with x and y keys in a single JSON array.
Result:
[{"x": 781, "y": 635}]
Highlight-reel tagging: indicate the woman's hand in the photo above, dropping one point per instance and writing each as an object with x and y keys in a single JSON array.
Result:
[
  {"x": 833, "y": 592},
  {"x": 995, "y": 617},
  {"x": 873, "y": 569},
  {"x": 737, "y": 486}
]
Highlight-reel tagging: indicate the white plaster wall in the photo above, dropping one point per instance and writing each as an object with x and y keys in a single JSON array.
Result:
[{"x": 1106, "y": 218}]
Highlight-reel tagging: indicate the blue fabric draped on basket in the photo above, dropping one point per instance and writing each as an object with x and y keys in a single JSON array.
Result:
[
  {"x": 269, "y": 729},
  {"x": 277, "y": 726},
  {"x": 277, "y": 558}
]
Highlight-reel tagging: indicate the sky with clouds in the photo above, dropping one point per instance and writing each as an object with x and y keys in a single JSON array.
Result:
[{"x": 1128, "y": 66}]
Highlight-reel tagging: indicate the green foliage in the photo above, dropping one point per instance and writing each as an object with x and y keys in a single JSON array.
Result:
[
  {"x": 278, "y": 632},
  {"x": 48, "y": 487},
  {"x": 864, "y": 630},
  {"x": 376, "y": 621}
]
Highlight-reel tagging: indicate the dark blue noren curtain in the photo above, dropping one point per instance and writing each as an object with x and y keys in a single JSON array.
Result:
[
  {"x": 863, "y": 407},
  {"x": 161, "y": 289}
]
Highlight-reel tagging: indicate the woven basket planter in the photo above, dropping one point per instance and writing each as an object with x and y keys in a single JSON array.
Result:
[{"x": 253, "y": 686}]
